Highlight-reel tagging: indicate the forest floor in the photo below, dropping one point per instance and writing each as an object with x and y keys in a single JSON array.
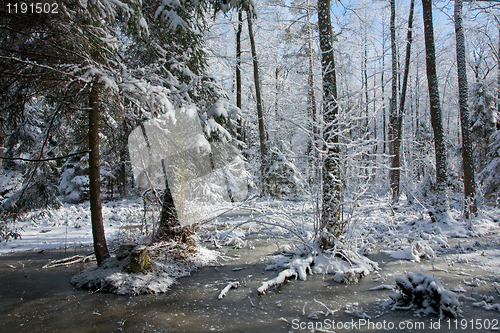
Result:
[{"x": 463, "y": 256}]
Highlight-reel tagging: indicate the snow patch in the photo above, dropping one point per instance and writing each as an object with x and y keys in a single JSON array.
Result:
[
  {"x": 113, "y": 277},
  {"x": 348, "y": 266},
  {"x": 425, "y": 294}
]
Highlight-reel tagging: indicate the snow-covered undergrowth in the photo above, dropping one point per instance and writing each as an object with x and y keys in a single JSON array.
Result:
[
  {"x": 425, "y": 294},
  {"x": 70, "y": 226},
  {"x": 487, "y": 306},
  {"x": 405, "y": 233},
  {"x": 411, "y": 235},
  {"x": 170, "y": 261},
  {"x": 347, "y": 265}
]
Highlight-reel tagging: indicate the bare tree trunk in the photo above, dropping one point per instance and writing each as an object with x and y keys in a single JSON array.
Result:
[
  {"x": 238, "y": 71},
  {"x": 375, "y": 113},
  {"x": 100, "y": 246},
  {"x": 442, "y": 206},
  {"x": 393, "y": 116},
  {"x": 2, "y": 144},
  {"x": 122, "y": 181},
  {"x": 331, "y": 222},
  {"x": 312, "y": 84},
  {"x": 395, "y": 186},
  {"x": 260, "y": 114},
  {"x": 384, "y": 124},
  {"x": 312, "y": 148},
  {"x": 399, "y": 123},
  {"x": 463, "y": 93},
  {"x": 277, "y": 90},
  {"x": 365, "y": 77}
]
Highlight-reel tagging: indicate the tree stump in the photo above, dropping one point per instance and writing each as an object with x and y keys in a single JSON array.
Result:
[
  {"x": 124, "y": 251},
  {"x": 139, "y": 260}
]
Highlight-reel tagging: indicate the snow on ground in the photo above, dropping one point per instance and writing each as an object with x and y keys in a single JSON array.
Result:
[
  {"x": 70, "y": 226},
  {"x": 112, "y": 276},
  {"x": 405, "y": 233}
]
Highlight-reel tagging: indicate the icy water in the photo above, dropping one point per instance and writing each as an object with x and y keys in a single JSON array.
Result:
[{"x": 43, "y": 300}]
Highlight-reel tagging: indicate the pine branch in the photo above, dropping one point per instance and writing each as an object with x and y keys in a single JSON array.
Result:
[{"x": 44, "y": 159}]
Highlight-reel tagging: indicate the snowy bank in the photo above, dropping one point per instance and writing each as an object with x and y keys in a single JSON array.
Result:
[{"x": 169, "y": 261}]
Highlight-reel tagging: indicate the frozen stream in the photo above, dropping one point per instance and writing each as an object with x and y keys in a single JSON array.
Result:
[{"x": 39, "y": 300}]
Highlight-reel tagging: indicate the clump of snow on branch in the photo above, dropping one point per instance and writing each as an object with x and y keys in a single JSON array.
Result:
[
  {"x": 277, "y": 281},
  {"x": 223, "y": 108},
  {"x": 426, "y": 294},
  {"x": 414, "y": 252},
  {"x": 229, "y": 286},
  {"x": 220, "y": 120},
  {"x": 347, "y": 265},
  {"x": 486, "y": 306}
]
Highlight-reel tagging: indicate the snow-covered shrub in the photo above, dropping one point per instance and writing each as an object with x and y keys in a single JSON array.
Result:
[
  {"x": 425, "y": 293},
  {"x": 283, "y": 177},
  {"x": 7, "y": 232},
  {"x": 421, "y": 163},
  {"x": 346, "y": 265},
  {"x": 220, "y": 121},
  {"x": 483, "y": 120},
  {"x": 73, "y": 184},
  {"x": 489, "y": 177},
  {"x": 37, "y": 192}
]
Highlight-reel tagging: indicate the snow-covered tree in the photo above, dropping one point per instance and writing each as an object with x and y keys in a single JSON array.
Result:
[
  {"x": 332, "y": 182},
  {"x": 467, "y": 158},
  {"x": 441, "y": 206},
  {"x": 483, "y": 122},
  {"x": 284, "y": 178},
  {"x": 490, "y": 175}
]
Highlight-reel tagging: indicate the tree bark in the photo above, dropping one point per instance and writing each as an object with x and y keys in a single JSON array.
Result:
[
  {"x": 330, "y": 221},
  {"x": 238, "y": 72},
  {"x": 311, "y": 81},
  {"x": 169, "y": 227},
  {"x": 313, "y": 110},
  {"x": 260, "y": 114},
  {"x": 122, "y": 184},
  {"x": 442, "y": 206},
  {"x": 365, "y": 79},
  {"x": 2, "y": 144},
  {"x": 396, "y": 188},
  {"x": 100, "y": 246},
  {"x": 393, "y": 114},
  {"x": 382, "y": 82},
  {"x": 470, "y": 206}
]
